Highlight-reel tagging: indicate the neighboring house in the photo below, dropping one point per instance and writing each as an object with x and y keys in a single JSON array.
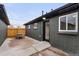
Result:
[
  {"x": 3, "y": 24},
  {"x": 60, "y": 25}
]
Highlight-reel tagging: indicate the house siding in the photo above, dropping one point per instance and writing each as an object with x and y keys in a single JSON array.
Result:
[
  {"x": 68, "y": 43},
  {"x": 36, "y": 33},
  {"x": 3, "y": 29}
]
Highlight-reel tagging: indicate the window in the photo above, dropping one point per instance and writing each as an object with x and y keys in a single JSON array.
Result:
[
  {"x": 63, "y": 23},
  {"x": 28, "y": 26},
  {"x": 68, "y": 23},
  {"x": 35, "y": 25}
]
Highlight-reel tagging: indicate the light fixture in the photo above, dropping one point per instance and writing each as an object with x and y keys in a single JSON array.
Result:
[{"x": 44, "y": 18}]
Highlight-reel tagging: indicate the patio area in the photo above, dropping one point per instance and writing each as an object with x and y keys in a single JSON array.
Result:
[{"x": 29, "y": 47}]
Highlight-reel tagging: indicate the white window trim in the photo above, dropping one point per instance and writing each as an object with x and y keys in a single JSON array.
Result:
[
  {"x": 76, "y": 28},
  {"x": 29, "y": 26}
]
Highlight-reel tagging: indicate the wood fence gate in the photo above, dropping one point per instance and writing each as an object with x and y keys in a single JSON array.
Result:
[{"x": 11, "y": 32}]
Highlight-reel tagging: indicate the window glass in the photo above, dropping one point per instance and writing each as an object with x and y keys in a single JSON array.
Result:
[
  {"x": 63, "y": 23},
  {"x": 28, "y": 26},
  {"x": 35, "y": 25},
  {"x": 71, "y": 22}
]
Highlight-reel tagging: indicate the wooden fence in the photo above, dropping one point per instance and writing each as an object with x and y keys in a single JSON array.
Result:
[{"x": 11, "y": 32}]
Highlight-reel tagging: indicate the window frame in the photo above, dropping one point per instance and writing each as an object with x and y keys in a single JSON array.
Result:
[
  {"x": 35, "y": 27},
  {"x": 76, "y": 24},
  {"x": 29, "y": 26}
]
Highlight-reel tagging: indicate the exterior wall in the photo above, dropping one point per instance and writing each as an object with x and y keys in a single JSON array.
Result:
[
  {"x": 3, "y": 29},
  {"x": 68, "y": 43},
  {"x": 36, "y": 33}
]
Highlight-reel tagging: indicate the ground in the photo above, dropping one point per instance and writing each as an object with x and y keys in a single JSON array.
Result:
[{"x": 29, "y": 47}]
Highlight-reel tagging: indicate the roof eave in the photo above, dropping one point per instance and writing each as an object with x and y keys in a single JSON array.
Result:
[
  {"x": 4, "y": 15},
  {"x": 50, "y": 14}
]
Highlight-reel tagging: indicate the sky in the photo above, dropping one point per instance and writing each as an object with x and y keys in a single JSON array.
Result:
[{"x": 20, "y": 13}]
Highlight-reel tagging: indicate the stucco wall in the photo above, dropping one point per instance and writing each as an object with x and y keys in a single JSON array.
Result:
[
  {"x": 36, "y": 33},
  {"x": 68, "y": 43},
  {"x": 3, "y": 29}
]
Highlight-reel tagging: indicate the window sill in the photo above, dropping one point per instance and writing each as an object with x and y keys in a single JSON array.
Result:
[
  {"x": 35, "y": 28},
  {"x": 67, "y": 33}
]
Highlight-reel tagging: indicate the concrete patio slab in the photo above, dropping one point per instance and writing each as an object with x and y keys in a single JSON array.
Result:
[
  {"x": 41, "y": 46},
  {"x": 28, "y": 47}
]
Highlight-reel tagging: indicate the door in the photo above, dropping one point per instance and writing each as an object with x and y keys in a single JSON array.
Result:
[{"x": 46, "y": 31}]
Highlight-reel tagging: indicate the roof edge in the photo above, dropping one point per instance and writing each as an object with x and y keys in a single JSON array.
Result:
[
  {"x": 60, "y": 8},
  {"x": 4, "y": 15}
]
